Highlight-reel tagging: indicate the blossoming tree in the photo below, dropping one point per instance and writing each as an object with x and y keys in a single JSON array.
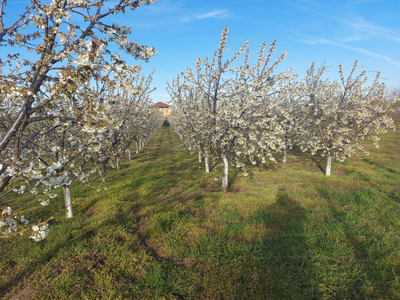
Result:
[
  {"x": 64, "y": 56},
  {"x": 237, "y": 104},
  {"x": 341, "y": 114},
  {"x": 189, "y": 121},
  {"x": 289, "y": 112}
]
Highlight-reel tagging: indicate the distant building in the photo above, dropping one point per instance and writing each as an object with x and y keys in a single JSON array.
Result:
[{"x": 164, "y": 108}]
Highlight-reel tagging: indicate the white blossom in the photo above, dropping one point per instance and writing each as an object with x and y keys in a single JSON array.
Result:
[
  {"x": 39, "y": 232},
  {"x": 7, "y": 211}
]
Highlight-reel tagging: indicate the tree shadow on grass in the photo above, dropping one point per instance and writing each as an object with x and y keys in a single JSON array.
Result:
[
  {"x": 394, "y": 195},
  {"x": 318, "y": 161},
  {"x": 101, "y": 250},
  {"x": 117, "y": 229},
  {"x": 374, "y": 163},
  {"x": 274, "y": 266},
  {"x": 368, "y": 239},
  {"x": 284, "y": 256},
  {"x": 305, "y": 158},
  {"x": 156, "y": 181},
  {"x": 36, "y": 262},
  {"x": 278, "y": 266},
  {"x": 47, "y": 249}
]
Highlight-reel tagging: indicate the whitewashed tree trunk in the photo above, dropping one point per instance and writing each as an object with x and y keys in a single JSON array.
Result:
[
  {"x": 206, "y": 162},
  {"x": 328, "y": 164},
  {"x": 225, "y": 167},
  {"x": 118, "y": 162},
  {"x": 67, "y": 201},
  {"x": 140, "y": 144},
  {"x": 199, "y": 155},
  {"x": 128, "y": 149},
  {"x": 103, "y": 171},
  {"x": 284, "y": 155},
  {"x": 137, "y": 147}
]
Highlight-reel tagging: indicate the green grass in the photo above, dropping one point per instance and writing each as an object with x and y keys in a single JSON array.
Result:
[{"x": 163, "y": 230}]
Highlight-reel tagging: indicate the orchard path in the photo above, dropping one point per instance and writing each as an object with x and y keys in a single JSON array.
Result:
[{"x": 166, "y": 178}]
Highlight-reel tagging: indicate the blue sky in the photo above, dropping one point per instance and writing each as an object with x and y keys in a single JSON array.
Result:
[{"x": 332, "y": 31}]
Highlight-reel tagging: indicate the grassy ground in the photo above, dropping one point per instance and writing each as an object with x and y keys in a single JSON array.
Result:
[{"x": 163, "y": 230}]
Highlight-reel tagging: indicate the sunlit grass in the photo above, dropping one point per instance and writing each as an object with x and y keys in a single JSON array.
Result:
[{"x": 163, "y": 229}]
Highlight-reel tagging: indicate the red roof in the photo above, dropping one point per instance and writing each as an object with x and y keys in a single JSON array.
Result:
[{"x": 161, "y": 105}]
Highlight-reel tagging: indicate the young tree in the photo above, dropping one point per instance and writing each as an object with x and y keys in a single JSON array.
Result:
[
  {"x": 289, "y": 110},
  {"x": 237, "y": 107},
  {"x": 189, "y": 121},
  {"x": 63, "y": 50},
  {"x": 343, "y": 114},
  {"x": 64, "y": 57},
  {"x": 140, "y": 115}
]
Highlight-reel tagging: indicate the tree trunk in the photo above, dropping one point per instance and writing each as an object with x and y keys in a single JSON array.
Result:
[
  {"x": 284, "y": 155},
  {"x": 206, "y": 162},
  {"x": 140, "y": 144},
  {"x": 199, "y": 155},
  {"x": 118, "y": 162},
  {"x": 128, "y": 149},
  {"x": 67, "y": 201},
  {"x": 137, "y": 147},
  {"x": 4, "y": 182},
  {"x": 103, "y": 171},
  {"x": 328, "y": 163},
  {"x": 225, "y": 166}
]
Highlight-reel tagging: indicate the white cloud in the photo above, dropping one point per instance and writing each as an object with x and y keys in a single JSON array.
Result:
[
  {"x": 216, "y": 13},
  {"x": 353, "y": 38},
  {"x": 372, "y": 29},
  {"x": 344, "y": 46}
]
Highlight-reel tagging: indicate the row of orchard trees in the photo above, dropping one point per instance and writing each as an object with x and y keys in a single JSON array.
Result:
[
  {"x": 69, "y": 104},
  {"x": 249, "y": 112}
]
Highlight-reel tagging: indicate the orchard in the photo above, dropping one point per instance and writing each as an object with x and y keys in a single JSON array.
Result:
[
  {"x": 262, "y": 178},
  {"x": 253, "y": 113},
  {"x": 70, "y": 105}
]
